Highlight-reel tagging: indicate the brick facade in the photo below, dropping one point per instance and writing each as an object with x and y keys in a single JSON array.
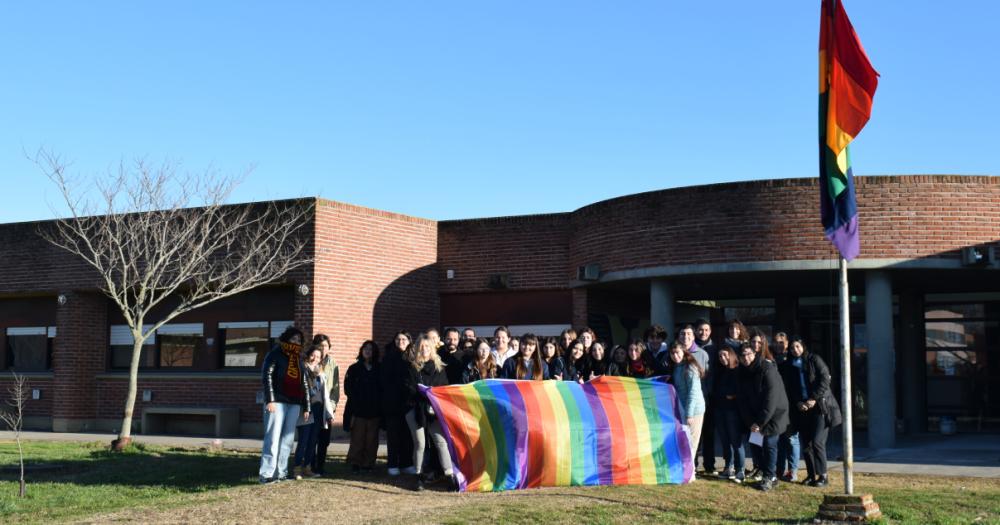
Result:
[{"x": 376, "y": 272}]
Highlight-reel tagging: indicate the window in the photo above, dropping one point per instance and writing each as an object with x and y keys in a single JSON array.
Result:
[
  {"x": 178, "y": 343},
  {"x": 29, "y": 349},
  {"x": 121, "y": 349},
  {"x": 244, "y": 344},
  {"x": 173, "y": 346}
]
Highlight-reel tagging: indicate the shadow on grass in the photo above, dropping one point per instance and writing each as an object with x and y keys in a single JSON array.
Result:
[{"x": 183, "y": 470}]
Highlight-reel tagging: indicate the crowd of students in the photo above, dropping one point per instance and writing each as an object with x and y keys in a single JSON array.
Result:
[{"x": 743, "y": 393}]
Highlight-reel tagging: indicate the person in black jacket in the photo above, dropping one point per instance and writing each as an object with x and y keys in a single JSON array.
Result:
[
  {"x": 426, "y": 369},
  {"x": 452, "y": 356},
  {"x": 552, "y": 355},
  {"x": 482, "y": 365},
  {"x": 728, "y": 426},
  {"x": 807, "y": 383},
  {"x": 362, "y": 388},
  {"x": 393, "y": 370},
  {"x": 763, "y": 408},
  {"x": 573, "y": 361},
  {"x": 287, "y": 399},
  {"x": 527, "y": 363}
]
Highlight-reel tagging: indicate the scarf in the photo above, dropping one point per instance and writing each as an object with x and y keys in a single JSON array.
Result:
[
  {"x": 638, "y": 368},
  {"x": 292, "y": 383}
]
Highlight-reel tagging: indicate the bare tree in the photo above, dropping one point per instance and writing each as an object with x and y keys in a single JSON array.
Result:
[
  {"x": 166, "y": 241},
  {"x": 15, "y": 419}
]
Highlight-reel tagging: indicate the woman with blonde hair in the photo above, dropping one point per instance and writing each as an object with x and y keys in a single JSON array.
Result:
[{"x": 428, "y": 370}]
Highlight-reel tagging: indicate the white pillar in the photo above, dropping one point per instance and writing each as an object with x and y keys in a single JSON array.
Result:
[
  {"x": 661, "y": 305},
  {"x": 881, "y": 361}
]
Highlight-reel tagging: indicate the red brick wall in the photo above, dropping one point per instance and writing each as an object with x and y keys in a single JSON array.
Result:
[
  {"x": 208, "y": 392},
  {"x": 532, "y": 249},
  {"x": 30, "y": 264},
  {"x": 34, "y": 407},
  {"x": 901, "y": 217},
  {"x": 374, "y": 274},
  {"x": 78, "y": 354}
]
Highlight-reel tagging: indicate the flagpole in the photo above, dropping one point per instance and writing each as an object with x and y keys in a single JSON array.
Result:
[{"x": 845, "y": 378}]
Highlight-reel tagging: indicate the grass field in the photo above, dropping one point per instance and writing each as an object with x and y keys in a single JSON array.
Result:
[{"x": 85, "y": 482}]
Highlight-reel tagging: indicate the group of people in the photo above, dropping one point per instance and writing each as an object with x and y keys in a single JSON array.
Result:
[{"x": 774, "y": 399}]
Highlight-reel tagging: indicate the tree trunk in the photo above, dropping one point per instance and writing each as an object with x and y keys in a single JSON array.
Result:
[
  {"x": 22, "y": 491},
  {"x": 125, "y": 434}
]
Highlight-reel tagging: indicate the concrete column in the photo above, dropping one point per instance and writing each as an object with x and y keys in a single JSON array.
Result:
[
  {"x": 661, "y": 305},
  {"x": 881, "y": 361}
]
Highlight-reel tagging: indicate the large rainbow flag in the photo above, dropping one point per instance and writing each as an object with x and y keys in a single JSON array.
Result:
[
  {"x": 847, "y": 83},
  {"x": 506, "y": 434}
]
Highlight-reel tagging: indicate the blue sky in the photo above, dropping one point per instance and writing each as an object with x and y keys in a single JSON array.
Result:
[{"x": 453, "y": 109}]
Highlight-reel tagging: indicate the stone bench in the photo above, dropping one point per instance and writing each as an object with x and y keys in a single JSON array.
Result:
[{"x": 155, "y": 420}]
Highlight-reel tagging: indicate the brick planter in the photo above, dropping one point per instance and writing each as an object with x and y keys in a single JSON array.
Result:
[{"x": 843, "y": 508}]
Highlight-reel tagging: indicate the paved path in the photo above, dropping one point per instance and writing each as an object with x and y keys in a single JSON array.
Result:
[{"x": 972, "y": 455}]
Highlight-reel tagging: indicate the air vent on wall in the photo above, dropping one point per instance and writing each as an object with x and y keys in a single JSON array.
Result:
[
  {"x": 588, "y": 272},
  {"x": 499, "y": 281}
]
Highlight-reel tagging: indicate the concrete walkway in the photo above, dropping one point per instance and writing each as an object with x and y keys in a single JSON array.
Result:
[{"x": 970, "y": 455}]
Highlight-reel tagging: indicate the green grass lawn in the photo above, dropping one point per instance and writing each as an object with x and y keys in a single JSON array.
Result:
[
  {"x": 69, "y": 480},
  {"x": 148, "y": 483}
]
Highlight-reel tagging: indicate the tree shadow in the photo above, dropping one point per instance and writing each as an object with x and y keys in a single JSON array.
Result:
[{"x": 179, "y": 469}]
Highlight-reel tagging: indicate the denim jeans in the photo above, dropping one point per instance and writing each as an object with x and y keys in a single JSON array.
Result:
[
  {"x": 279, "y": 433},
  {"x": 767, "y": 456},
  {"x": 729, "y": 429},
  {"x": 305, "y": 451},
  {"x": 788, "y": 453}
]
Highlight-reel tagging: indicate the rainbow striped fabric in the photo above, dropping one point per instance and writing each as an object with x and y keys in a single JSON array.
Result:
[
  {"x": 847, "y": 85},
  {"x": 507, "y": 435}
]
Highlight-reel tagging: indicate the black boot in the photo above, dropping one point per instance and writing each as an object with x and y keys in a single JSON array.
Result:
[
  {"x": 420, "y": 484},
  {"x": 821, "y": 481}
]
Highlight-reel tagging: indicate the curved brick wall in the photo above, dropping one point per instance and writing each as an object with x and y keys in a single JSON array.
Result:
[{"x": 903, "y": 217}]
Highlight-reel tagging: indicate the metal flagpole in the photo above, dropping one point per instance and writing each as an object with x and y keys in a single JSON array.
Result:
[{"x": 845, "y": 378}]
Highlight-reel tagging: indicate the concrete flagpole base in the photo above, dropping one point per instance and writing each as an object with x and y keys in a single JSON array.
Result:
[{"x": 839, "y": 508}]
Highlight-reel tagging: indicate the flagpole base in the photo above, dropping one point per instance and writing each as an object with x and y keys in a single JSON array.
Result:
[{"x": 841, "y": 508}]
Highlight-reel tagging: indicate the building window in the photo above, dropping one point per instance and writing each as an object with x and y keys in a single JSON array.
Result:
[
  {"x": 173, "y": 346},
  {"x": 244, "y": 344},
  {"x": 29, "y": 349},
  {"x": 961, "y": 349}
]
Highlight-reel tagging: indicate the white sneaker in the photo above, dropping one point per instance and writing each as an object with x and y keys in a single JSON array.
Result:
[
  {"x": 410, "y": 470},
  {"x": 393, "y": 471}
]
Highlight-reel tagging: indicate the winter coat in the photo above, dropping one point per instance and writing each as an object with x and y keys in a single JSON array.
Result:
[
  {"x": 332, "y": 373},
  {"x": 688, "y": 387},
  {"x": 726, "y": 384},
  {"x": 557, "y": 367},
  {"x": 273, "y": 372},
  {"x": 454, "y": 364},
  {"x": 361, "y": 385},
  {"x": 393, "y": 372},
  {"x": 762, "y": 399},
  {"x": 426, "y": 376},
  {"x": 817, "y": 377},
  {"x": 509, "y": 370},
  {"x": 471, "y": 373}
]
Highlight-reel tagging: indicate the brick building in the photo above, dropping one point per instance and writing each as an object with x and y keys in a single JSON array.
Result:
[{"x": 925, "y": 296}]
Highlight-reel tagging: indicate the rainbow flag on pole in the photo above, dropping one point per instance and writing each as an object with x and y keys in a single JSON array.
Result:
[
  {"x": 847, "y": 84},
  {"x": 518, "y": 434}
]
